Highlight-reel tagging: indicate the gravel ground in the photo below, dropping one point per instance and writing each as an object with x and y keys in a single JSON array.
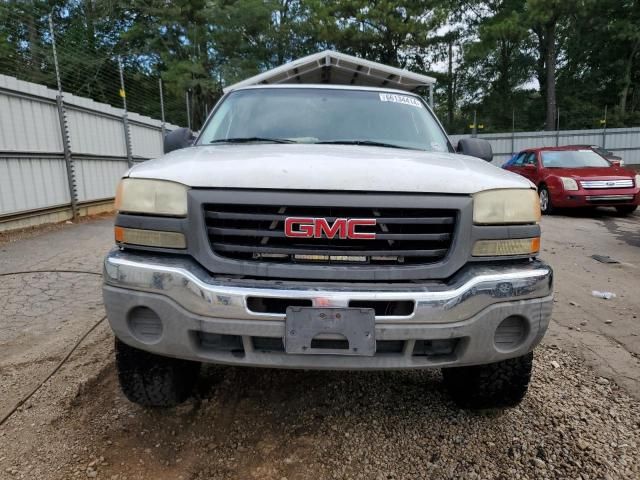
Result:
[{"x": 268, "y": 424}]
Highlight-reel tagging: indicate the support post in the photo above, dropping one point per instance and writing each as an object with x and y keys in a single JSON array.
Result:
[
  {"x": 186, "y": 98},
  {"x": 604, "y": 129},
  {"x": 125, "y": 117},
  {"x": 474, "y": 131},
  {"x": 64, "y": 131},
  {"x": 558, "y": 127},
  {"x": 431, "y": 95},
  {"x": 513, "y": 131},
  {"x": 162, "y": 126}
]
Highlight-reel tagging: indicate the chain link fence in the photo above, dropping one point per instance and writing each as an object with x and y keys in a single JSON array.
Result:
[{"x": 57, "y": 47}]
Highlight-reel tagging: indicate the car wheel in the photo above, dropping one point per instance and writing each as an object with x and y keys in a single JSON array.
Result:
[
  {"x": 546, "y": 207},
  {"x": 626, "y": 209},
  {"x": 152, "y": 380},
  {"x": 495, "y": 385}
]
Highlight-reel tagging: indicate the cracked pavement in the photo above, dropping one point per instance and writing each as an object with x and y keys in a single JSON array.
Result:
[{"x": 42, "y": 314}]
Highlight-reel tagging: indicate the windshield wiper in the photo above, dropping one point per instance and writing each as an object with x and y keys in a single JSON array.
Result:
[
  {"x": 251, "y": 139},
  {"x": 370, "y": 143}
]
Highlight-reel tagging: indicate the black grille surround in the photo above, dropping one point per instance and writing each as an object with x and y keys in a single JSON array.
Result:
[
  {"x": 216, "y": 261},
  {"x": 403, "y": 236}
]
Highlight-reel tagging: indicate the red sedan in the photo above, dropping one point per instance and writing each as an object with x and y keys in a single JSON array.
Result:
[{"x": 569, "y": 177}]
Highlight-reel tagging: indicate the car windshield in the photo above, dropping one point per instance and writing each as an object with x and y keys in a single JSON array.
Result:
[
  {"x": 573, "y": 159},
  {"x": 308, "y": 115}
]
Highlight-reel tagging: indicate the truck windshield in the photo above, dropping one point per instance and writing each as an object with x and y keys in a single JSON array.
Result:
[
  {"x": 306, "y": 115},
  {"x": 573, "y": 159}
]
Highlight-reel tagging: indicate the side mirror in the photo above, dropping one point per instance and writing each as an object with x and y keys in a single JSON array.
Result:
[
  {"x": 180, "y": 138},
  {"x": 475, "y": 147},
  {"x": 615, "y": 163}
]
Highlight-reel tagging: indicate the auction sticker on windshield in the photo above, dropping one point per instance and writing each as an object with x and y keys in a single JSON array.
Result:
[{"x": 404, "y": 99}]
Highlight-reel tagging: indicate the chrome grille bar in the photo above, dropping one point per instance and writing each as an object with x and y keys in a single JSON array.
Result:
[{"x": 593, "y": 184}]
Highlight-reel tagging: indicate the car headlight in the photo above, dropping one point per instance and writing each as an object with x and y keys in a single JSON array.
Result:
[
  {"x": 569, "y": 184},
  {"x": 155, "y": 197},
  {"x": 637, "y": 180},
  {"x": 494, "y": 207}
]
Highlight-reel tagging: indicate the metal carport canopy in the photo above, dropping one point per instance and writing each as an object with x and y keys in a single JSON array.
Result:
[{"x": 341, "y": 69}]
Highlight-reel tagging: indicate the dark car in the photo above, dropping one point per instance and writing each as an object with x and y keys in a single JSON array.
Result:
[
  {"x": 608, "y": 154},
  {"x": 573, "y": 176}
]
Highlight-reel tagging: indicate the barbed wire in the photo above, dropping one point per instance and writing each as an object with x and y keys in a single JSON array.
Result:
[{"x": 86, "y": 70}]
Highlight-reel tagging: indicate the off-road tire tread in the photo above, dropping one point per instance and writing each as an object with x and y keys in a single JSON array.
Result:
[
  {"x": 153, "y": 380},
  {"x": 495, "y": 385}
]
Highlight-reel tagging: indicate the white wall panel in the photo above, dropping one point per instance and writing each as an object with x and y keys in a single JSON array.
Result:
[
  {"x": 146, "y": 142},
  {"x": 31, "y": 183},
  {"x": 624, "y": 142},
  {"x": 98, "y": 178},
  {"x": 96, "y": 134},
  {"x": 29, "y": 122},
  {"x": 28, "y": 125}
]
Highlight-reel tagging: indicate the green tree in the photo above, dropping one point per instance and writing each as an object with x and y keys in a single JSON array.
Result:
[{"x": 392, "y": 32}]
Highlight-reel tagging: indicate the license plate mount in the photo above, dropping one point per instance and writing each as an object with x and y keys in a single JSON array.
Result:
[{"x": 308, "y": 327}]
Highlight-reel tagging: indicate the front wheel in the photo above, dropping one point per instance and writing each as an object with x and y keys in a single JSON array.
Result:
[
  {"x": 546, "y": 207},
  {"x": 626, "y": 209},
  {"x": 152, "y": 380},
  {"x": 495, "y": 385}
]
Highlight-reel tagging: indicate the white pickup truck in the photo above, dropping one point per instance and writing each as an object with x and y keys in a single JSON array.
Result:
[{"x": 326, "y": 227}]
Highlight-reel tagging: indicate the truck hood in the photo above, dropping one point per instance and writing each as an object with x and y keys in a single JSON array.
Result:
[{"x": 327, "y": 167}]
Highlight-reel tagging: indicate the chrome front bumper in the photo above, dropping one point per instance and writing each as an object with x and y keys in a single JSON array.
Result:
[{"x": 189, "y": 303}]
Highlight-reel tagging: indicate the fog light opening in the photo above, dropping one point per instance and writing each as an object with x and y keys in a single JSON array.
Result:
[
  {"x": 145, "y": 325},
  {"x": 511, "y": 333}
]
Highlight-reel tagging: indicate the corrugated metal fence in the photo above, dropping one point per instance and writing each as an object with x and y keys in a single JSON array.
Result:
[
  {"x": 624, "y": 142},
  {"x": 34, "y": 181}
]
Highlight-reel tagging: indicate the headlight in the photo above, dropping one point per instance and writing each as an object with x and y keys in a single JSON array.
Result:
[
  {"x": 495, "y": 207},
  {"x": 155, "y": 197},
  {"x": 637, "y": 180},
  {"x": 569, "y": 184}
]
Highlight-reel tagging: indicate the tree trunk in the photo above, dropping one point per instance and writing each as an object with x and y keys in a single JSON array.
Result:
[
  {"x": 540, "y": 63},
  {"x": 450, "y": 101},
  {"x": 91, "y": 30},
  {"x": 626, "y": 79},
  {"x": 550, "y": 60},
  {"x": 35, "y": 59}
]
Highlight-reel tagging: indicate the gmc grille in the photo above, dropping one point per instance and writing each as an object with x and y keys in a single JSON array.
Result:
[{"x": 255, "y": 233}]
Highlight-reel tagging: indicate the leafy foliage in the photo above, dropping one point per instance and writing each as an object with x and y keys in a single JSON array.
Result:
[{"x": 508, "y": 61}]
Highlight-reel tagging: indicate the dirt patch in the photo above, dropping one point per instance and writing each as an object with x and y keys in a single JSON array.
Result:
[{"x": 267, "y": 424}]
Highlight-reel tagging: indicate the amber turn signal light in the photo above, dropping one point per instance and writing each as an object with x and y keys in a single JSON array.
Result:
[
  {"x": 506, "y": 247},
  {"x": 150, "y": 238}
]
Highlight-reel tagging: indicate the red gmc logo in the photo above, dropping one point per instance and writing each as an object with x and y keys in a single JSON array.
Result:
[{"x": 303, "y": 227}]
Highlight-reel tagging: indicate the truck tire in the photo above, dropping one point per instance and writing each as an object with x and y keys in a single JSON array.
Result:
[
  {"x": 495, "y": 385},
  {"x": 152, "y": 380},
  {"x": 626, "y": 209}
]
